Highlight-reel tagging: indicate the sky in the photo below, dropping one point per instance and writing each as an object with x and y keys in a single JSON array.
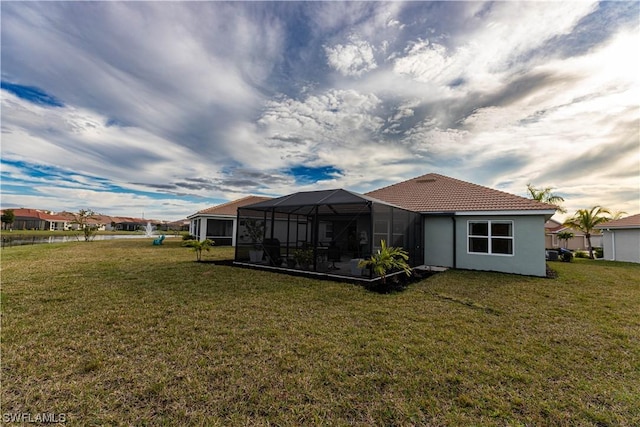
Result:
[{"x": 160, "y": 109}]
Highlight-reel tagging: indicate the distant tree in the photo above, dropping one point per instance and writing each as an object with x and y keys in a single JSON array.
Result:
[
  {"x": 82, "y": 219},
  {"x": 585, "y": 220},
  {"x": 8, "y": 217},
  {"x": 545, "y": 195},
  {"x": 566, "y": 236}
]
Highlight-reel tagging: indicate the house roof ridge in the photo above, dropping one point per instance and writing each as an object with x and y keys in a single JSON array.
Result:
[
  {"x": 631, "y": 221},
  {"x": 434, "y": 192}
]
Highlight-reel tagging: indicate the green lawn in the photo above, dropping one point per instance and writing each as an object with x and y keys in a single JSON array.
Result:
[{"x": 122, "y": 332}]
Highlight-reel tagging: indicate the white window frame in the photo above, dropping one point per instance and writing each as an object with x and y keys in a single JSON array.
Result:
[{"x": 489, "y": 237}]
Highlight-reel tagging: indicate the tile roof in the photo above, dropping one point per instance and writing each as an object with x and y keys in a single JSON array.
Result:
[
  {"x": 35, "y": 213},
  {"x": 438, "y": 193},
  {"x": 553, "y": 226},
  {"x": 632, "y": 221},
  {"x": 231, "y": 208}
]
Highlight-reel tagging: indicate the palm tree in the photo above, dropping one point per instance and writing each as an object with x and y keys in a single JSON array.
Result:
[
  {"x": 545, "y": 195},
  {"x": 386, "y": 259},
  {"x": 199, "y": 246},
  {"x": 566, "y": 236},
  {"x": 617, "y": 215},
  {"x": 585, "y": 220}
]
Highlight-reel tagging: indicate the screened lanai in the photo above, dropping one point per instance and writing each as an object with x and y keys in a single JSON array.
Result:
[{"x": 324, "y": 232}]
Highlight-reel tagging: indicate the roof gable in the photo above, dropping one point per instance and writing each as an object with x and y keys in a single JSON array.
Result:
[
  {"x": 438, "y": 193},
  {"x": 231, "y": 208}
]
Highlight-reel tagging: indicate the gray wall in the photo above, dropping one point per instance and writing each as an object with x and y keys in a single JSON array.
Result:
[
  {"x": 528, "y": 247},
  {"x": 438, "y": 241},
  {"x": 622, "y": 245}
]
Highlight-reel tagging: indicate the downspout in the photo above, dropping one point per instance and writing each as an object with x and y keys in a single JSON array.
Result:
[
  {"x": 455, "y": 242},
  {"x": 613, "y": 244}
]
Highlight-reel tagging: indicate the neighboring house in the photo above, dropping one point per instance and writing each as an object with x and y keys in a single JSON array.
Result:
[
  {"x": 98, "y": 221},
  {"x": 180, "y": 225},
  {"x": 219, "y": 223},
  {"x": 621, "y": 239},
  {"x": 577, "y": 243},
  {"x": 130, "y": 224},
  {"x": 439, "y": 221},
  {"x": 35, "y": 219}
]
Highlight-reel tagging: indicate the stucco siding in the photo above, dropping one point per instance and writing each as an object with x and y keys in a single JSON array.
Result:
[
  {"x": 622, "y": 245},
  {"x": 607, "y": 245},
  {"x": 438, "y": 241},
  {"x": 528, "y": 256}
]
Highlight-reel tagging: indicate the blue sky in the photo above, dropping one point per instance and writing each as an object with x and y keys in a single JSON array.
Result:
[{"x": 166, "y": 108}]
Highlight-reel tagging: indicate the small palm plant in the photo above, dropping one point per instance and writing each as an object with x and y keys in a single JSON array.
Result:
[
  {"x": 199, "y": 246},
  {"x": 386, "y": 259},
  {"x": 566, "y": 236}
]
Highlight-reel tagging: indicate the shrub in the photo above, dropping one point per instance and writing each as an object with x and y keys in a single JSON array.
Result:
[
  {"x": 199, "y": 246},
  {"x": 187, "y": 236},
  {"x": 388, "y": 258}
]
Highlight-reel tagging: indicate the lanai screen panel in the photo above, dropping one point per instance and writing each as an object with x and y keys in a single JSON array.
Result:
[{"x": 399, "y": 228}]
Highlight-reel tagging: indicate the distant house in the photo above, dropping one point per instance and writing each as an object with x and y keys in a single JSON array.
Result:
[
  {"x": 180, "y": 225},
  {"x": 219, "y": 223},
  {"x": 621, "y": 239},
  {"x": 577, "y": 243},
  {"x": 100, "y": 222},
  {"x": 36, "y": 219},
  {"x": 129, "y": 224},
  {"x": 440, "y": 221}
]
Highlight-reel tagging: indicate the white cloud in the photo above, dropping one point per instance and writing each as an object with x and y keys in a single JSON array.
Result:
[
  {"x": 352, "y": 59},
  {"x": 219, "y": 99},
  {"x": 425, "y": 62}
]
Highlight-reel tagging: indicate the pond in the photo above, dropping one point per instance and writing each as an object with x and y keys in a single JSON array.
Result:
[{"x": 18, "y": 240}]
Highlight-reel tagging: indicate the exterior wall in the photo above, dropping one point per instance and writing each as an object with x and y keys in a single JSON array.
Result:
[
  {"x": 622, "y": 245},
  {"x": 528, "y": 247},
  {"x": 438, "y": 241}
]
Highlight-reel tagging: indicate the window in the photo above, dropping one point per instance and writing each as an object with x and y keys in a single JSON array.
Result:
[{"x": 491, "y": 237}]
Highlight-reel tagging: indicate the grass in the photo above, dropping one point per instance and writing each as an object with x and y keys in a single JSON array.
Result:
[{"x": 121, "y": 332}]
